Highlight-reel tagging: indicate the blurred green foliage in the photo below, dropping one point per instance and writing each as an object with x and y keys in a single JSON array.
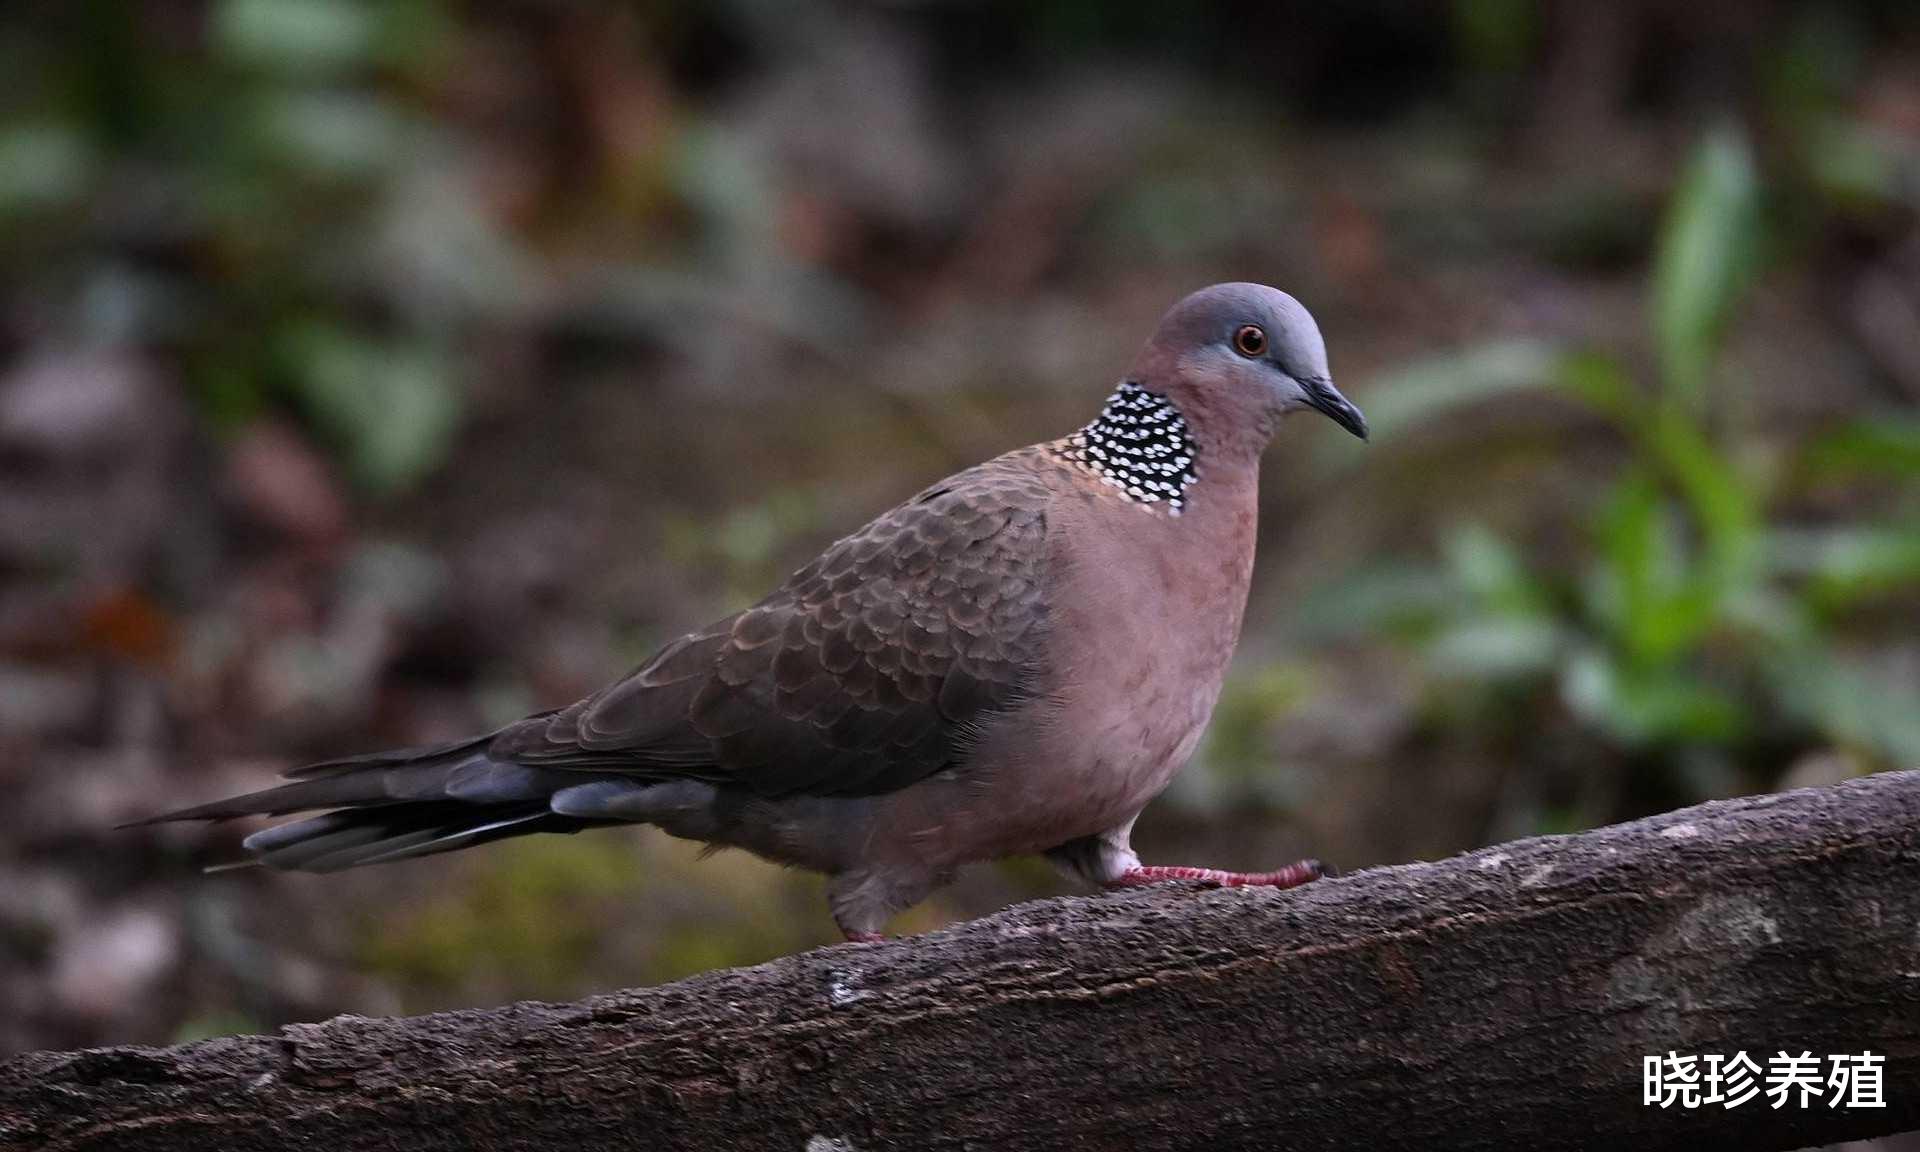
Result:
[
  {"x": 391, "y": 409},
  {"x": 748, "y": 545},
  {"x": 285, "y": 168},
  {"x": 526, "y": 916},
  {"x": 1236, "y": 754},
  {"x": 538, "y": 916},
  {"x": 1707, "y": 251},
  {"x": 213, "y": 1024},
  {"x": 1694, "y": 614}
]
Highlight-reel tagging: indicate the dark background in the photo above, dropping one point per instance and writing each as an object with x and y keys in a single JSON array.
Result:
[{"x": 373, "y": 371}]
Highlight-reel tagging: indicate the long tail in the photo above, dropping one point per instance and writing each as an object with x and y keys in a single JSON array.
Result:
[{"x": 397, "y": 805}]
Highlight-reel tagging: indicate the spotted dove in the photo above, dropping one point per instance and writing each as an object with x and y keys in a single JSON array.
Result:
[{"x": 1014, "y": 661}]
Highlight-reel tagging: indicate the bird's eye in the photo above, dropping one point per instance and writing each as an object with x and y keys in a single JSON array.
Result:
[{"x": 1250, "y": 340}]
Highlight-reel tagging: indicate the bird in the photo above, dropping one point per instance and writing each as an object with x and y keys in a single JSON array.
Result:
[{"x": 1014, "y": 661}]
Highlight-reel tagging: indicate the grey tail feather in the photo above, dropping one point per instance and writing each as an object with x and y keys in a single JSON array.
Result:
[
  {"x": 394, "y": 757},
  {"x": 355, "y": 837},
  {"x": 394, "y": 806},
  {"x": 360, "y": 788},
  {"x": 230, "y": 866}
]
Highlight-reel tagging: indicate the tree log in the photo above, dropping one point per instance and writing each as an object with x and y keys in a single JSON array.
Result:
[{"x": 1503, "y": 999}]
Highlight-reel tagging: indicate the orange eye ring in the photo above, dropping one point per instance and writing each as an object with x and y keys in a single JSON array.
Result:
[{"x": 1250, "y": 341}]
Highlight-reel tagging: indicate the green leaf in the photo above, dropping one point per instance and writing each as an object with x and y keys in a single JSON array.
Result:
[
  {"x": 1656, "y": 597},
  {"x": 340, "y": 134},
  {"x": 1848, "y": 564},
  {"x": 391, "y": 409},
  {"x": 1649, "y": 706},
  {"x": 1855, "y": 165},
  {"x": 1600, "y": 383},
  {"x": 1410, "y": 398},
  {"x": 1376, "y": 598},
  {"x": 1499, "y": 647},
  {"x": 1716, "y": 496},
  {"x": 1425, "y": 391},
  {"x": 1493, "y": 571},
  {"x": 1886, "y": 445},
  {"x": 306, "y": 36},
  {"x": 1707, "y": 252},
  {"x": 1627, "y": 583},
  {"x": 42, "y": 165},
  {"x": 1849, "y": 704}
]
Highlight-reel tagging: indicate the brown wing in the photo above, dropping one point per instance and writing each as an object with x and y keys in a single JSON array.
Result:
[{"x": 869, "y": 669}]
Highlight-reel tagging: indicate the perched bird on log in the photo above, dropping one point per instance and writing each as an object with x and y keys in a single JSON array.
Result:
[{"x": 1014, "y": 661}]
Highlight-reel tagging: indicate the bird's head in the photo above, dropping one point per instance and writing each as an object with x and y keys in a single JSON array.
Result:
[{"x": 1237, "y": 357}]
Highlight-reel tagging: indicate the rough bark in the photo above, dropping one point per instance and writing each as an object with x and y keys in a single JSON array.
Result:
[{"x": 1500, "y": 999}]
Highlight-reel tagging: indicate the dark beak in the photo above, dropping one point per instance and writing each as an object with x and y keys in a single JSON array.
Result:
[{"x": 1325, "y": 397}]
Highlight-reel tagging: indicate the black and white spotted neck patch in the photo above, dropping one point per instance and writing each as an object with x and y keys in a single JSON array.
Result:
[{"x": 1138, "y": 444}]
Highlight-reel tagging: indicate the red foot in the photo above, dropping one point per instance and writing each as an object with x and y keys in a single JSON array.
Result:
[
  {"x": 1292, "y": 876},
  {"x": 863, "y": 937}
]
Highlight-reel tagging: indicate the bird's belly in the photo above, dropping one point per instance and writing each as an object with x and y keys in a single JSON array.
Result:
[
  {"x": 1047, "y": 775},
  {"x": 1097, "y": 766}
]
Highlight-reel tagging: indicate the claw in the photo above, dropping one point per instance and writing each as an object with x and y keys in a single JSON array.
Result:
[{"x": 1292, "y": 876}]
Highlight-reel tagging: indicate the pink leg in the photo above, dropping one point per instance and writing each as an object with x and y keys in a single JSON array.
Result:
[
  {"x": 1292, "y": 876},
  {"x": 863, "y": 937}
]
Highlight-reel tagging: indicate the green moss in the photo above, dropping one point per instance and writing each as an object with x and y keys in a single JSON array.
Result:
[
  {"x": 1032, "y": 875},
  {"x": 216, "y": 1023},
  {"x": 528, "y": 915}
]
